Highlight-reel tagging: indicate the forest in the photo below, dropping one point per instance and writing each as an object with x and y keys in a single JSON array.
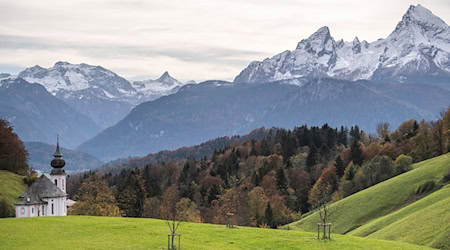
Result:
[{"x": 265, "y": 182}]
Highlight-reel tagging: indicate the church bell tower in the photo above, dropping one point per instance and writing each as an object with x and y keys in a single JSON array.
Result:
[{"x": 58, "y": 175}]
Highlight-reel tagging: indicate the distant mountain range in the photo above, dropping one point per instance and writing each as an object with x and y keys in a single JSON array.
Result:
[
  {"x": 404, "y": 76},
  {"x": 97, "y": 92},
  {"x": 36, "y": 115},
  {"x": 417, "y": 51}
]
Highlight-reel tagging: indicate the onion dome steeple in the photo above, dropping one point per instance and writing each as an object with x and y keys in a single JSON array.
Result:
[{"x": 58, "y": 162}]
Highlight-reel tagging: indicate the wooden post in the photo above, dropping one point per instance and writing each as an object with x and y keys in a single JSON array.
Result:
[
  {"x": 329, "y": 231},
  {"x": 318, "y": 230}
]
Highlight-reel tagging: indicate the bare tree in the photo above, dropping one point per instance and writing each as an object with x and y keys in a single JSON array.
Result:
[
  {"x": 383, "y": 130},
  {"x": 320, "y": 197},
  {"x": 169, "y": 212}
]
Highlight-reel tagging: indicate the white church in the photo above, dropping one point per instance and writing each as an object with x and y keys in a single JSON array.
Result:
[{"x": 46, "y": 196}]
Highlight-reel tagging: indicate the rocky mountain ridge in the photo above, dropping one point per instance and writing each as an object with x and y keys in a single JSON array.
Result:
[{"x": 419, "y": 46}]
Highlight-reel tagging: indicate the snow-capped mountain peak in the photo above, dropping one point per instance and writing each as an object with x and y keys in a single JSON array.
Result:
[
  {"x": 421, "y": 15},
  {"x": 65, "y": 77},
  {"x": 152, "y": 89},
  {"x": 319, "y": 41},
  {"x": 418, "y": 48},
  {"x": 166, "y": 79}
]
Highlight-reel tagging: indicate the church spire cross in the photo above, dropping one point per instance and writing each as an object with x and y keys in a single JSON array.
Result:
[{"x": 57, "y": 153}]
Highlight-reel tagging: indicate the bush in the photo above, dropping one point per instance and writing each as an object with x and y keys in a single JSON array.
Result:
[
  {"x": 29, "y": 180},
  {"x": 402, "y": 164},
  {"x": 6, "y": 210},
  {"x": 446, "y": 177},
  {"x": 425, "y": 187}
]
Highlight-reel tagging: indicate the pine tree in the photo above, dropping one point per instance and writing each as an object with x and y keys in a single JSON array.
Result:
[
  {"x": 282, "y": 180},
  {"x": 356, "y": 154},
  {"x": 268, "y": 214},
  {"x": 340, "y": 168},
  {"x": 312, "y": 157}
]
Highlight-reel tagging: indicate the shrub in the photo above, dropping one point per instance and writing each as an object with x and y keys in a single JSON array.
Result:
[
  {"x": 425, "y": 187},
  {"x": 446, "y": 177},
  {"x": 6, "y": 210},
  {"x": 402, "y": 164}
]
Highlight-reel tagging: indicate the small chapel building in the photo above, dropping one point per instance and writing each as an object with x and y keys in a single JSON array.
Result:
[{"x": 47, "y": 195}]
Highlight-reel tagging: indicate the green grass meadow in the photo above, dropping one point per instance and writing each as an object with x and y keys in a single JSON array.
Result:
[
  {"x": 388, "y": 210},
  {"x": 425, "y": 222},
  {"x": 80, "y": 232},
  {"x": 11, "y": 186}
]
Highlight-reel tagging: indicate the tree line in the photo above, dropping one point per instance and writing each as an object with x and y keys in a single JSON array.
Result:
[{"x": 265, "y": 182}]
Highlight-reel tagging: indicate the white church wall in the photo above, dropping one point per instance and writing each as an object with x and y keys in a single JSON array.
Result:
[{"x": 59, "y": 181}]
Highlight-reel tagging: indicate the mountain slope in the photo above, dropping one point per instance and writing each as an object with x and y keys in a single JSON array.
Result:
[
  {"x": 80, "y": 232},
  {"x": 41, "y": 154},
  {"x": 385, "y": 198},
  {"x": 36, "y": 115},
  {"x": 91, "y": 90},
  {"x": 345, "y": 103},
  {"x": 416, "y": 51},
  {"x": 196, "y": 113},
  {"x": 97, "y": 92}
]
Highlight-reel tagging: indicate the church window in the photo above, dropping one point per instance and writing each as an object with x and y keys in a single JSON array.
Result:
[
  {"x": 53, "y": 212},
  {"x": 56, "y": 182},
  {"x": 43, "y": 210},
  {"x": 22, "y": 210},
  {"x": 62, "y": 184}
]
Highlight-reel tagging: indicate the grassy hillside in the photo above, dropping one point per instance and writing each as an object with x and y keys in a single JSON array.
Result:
[
  {"x": 387, "y": 197},
  {"x": 133, "y": 233},
  {"x": 11, "y": 186},
  {"x": 425, "y": 222}
]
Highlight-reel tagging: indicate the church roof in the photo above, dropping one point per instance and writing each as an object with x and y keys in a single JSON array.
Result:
[{"x": 41, "y": 188}]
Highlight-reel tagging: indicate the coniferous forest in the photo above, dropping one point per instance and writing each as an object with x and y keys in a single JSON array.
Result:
[{"x": 268, "y": 181}]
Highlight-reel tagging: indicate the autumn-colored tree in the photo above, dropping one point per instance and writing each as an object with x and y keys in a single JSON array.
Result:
[
  {"x": 300, "y": 181},
  {"x": 257, "y": 202},
  {"x": 95, "y": 198},
  {"x": 383, "y": 130},
  {"x": 281, "y": 213},
  {"x": 437, "y": 133},
  {"x": 169, "y": 201},
  {"x": 13, "y": 156},
  {"x": 168, "y": 210},
  {"x": 320, "y": 198},
  {"x": 269, "y": 183},
  {"x": 187, "y": 211}
]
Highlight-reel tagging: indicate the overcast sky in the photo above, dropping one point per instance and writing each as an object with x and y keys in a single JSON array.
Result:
[{"x": 195, "y": 39}]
